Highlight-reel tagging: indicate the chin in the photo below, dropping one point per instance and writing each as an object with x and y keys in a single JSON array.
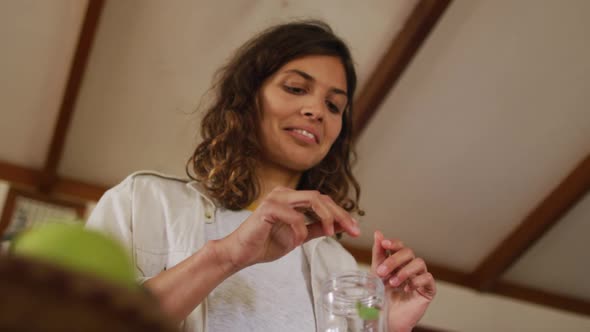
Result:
[{"x": 299, "y": 165}]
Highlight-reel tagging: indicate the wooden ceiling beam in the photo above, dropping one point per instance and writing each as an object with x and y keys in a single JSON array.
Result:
[
  {"x": 72, "y": 90},
  {"x": 74, "y": 188},
  {"x": 29, "y": 178},
  {"x": 546, "y": 215},
  {"x": 397, "y": 58},
  {"x": 24, "y": 176},
  {"x": 541, "y": 297}
]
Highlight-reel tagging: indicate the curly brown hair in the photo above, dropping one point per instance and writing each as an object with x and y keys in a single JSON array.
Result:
[{"x": 225, "y": 161}]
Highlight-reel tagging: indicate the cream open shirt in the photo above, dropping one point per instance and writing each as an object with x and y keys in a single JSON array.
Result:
[{"x": 160, "y": 219}]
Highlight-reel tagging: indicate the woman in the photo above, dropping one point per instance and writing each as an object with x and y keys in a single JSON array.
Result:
[{"x": 234, "y": 250}]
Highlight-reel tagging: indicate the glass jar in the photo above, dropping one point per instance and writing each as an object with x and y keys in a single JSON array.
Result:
[{"x": 352, "y": 302}]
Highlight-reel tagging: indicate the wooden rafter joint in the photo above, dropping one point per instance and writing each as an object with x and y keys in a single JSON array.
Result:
[{"x": 47, "y": 181}]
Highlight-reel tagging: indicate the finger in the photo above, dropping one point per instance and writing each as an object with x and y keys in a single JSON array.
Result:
[
  {"x": 382, "y": 249},
  {"x": 378, "y": 252},
  {"x": 314, "y": 231},
  {"x": 325, "y": 214},
  {"x": 319, "y": 204},
  {"x": 424, "y": 284},
  {"x": 303, "y": 200},
  {"x": 300, "y": 232},
  {"x": 342, "y": 217},
  {"x": 338, "y": 229},
  {"x": 273, "y": 213},
  {"x": 391, "y": 245},
  {"x": 414, "y": 268},
  {"x": 395, "y": 261}
]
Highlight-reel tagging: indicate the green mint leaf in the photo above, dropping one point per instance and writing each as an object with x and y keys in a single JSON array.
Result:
[{"x": 367, "y": 313}]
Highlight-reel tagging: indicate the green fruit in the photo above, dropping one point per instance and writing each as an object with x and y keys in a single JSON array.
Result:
[{"x": 74, "y": 247}]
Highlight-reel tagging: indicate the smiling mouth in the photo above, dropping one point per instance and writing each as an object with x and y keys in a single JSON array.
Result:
[{"x": 304, "y": 133}]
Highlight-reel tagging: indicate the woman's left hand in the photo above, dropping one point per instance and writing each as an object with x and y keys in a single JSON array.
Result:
[{"x": 409, "y": 286}]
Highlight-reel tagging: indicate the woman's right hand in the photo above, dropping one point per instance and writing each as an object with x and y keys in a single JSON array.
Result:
[{"x": 278, "y": 226}]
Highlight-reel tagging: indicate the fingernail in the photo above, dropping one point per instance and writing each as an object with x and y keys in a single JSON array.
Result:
[
  {"x": 386, "y": 243},
  {"x": 394, "y": 281},
  {"x": 356, "y": 229},
  {"x": 382, "y": 270}
]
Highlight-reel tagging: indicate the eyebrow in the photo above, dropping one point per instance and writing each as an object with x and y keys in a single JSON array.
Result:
[{"x": 308, "y": 77}]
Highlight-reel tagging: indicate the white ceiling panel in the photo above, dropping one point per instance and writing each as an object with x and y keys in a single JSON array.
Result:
[
  {"x": 491, "y": 115},
  {"x": 38, "y": 39}
]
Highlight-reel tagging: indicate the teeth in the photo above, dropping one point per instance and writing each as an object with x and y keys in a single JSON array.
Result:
[{"x": 304, "y": 133}]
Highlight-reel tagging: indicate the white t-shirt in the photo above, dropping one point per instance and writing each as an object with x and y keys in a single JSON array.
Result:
[{"x": 271, "y": 296}]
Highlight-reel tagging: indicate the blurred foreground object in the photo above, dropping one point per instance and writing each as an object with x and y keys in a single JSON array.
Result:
[
  {"x": 74, "y": 247},
  {"x": 62, "y": 277}
]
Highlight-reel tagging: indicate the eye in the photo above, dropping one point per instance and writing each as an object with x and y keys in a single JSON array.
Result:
[
  {"x": 294, "y": 90},
  {"x": 332, "y": 107}
]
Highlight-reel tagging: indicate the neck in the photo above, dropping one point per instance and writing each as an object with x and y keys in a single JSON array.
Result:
[{"x": 271, "y": 176}]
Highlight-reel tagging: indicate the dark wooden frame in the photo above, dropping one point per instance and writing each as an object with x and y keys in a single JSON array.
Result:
[{"x": 14, "y": 193}]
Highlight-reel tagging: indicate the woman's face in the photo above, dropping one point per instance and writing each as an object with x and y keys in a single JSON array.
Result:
[{"x": 302, "y": 107}]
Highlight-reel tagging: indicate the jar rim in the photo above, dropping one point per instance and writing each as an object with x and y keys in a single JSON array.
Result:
[{"x": 349, "y": 279}]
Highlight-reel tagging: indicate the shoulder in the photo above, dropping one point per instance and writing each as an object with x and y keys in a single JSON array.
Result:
[
  {"x": 155, "y": 183},
  {"x": 154, "y": 188},
  {"x": 155, "y": 179}
]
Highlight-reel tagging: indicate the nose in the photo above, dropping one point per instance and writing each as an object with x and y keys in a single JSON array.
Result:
[{"x": 314, "y": 110}]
